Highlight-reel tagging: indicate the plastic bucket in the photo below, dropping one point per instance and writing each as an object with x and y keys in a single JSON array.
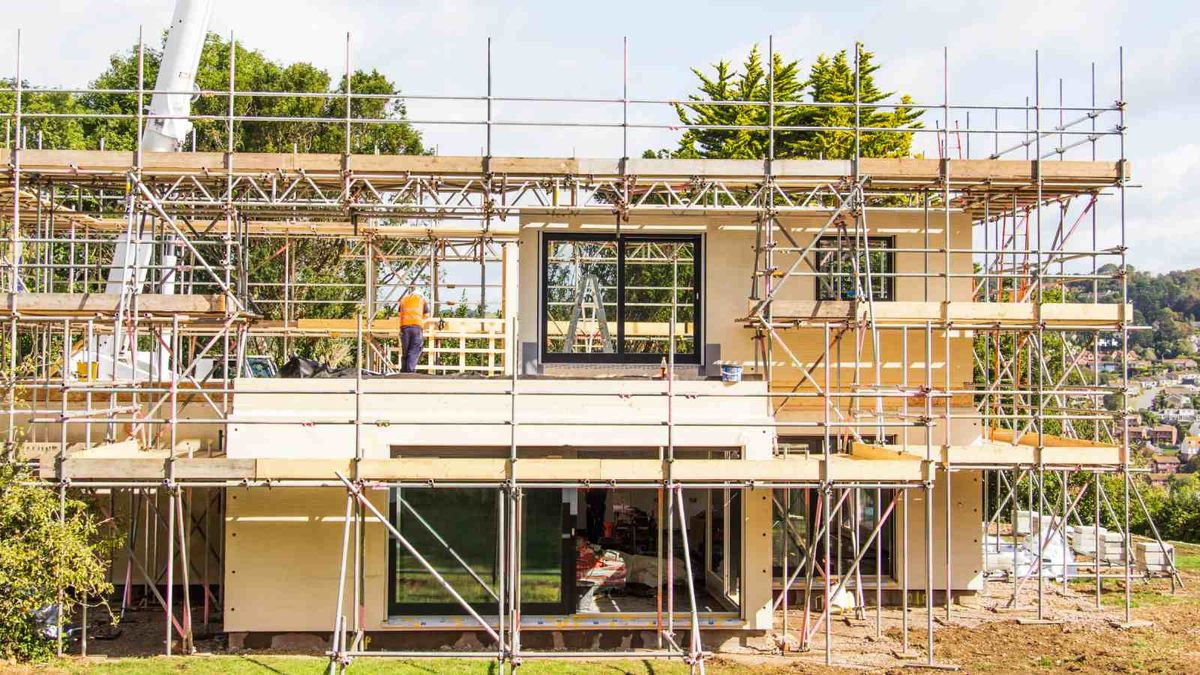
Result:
[{"x": 731, "y": 373}]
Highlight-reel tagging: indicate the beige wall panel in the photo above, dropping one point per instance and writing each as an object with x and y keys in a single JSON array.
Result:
[
  {"x": 283, "y": 548},
  {"x": 967, "y": 552},
  {"x": 280, "y": 422}
]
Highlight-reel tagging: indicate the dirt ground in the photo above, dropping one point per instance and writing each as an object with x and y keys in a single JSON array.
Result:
[{"x": 982, "y": 635}]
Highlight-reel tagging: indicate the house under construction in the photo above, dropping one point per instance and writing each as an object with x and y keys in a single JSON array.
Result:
[{"x": 674, "y": 400}]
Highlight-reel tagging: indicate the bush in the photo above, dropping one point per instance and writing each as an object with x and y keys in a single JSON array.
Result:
[{"x": 41, "y": 553}]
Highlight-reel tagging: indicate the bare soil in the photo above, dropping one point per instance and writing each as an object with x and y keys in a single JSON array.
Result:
[{"x": 982, "y": 634}]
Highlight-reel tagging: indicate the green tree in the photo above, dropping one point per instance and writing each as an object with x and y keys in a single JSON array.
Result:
[
  {"x": 831, "y": 79},
  {"x": 751, "y": 83},
  {"x": 49, "y": 132},
  {"x": 41, "y": 553},
  {"x": 253, "y": 71}
]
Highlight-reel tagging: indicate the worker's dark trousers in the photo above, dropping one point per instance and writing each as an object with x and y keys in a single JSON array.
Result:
[{"x": 411, "y": 343}]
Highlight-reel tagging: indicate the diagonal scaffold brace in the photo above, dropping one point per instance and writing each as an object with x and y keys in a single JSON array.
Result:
[{"x": 339, "y": 655}]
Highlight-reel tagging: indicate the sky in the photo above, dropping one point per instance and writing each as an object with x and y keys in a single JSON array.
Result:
[{"x": 573, "y": 49}]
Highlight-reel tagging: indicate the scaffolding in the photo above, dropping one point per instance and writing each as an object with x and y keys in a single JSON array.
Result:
[{"x": 1037, "y": 304}]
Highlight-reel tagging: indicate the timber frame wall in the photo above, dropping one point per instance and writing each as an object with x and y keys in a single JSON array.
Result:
[{"x": 1033, "y": 202}]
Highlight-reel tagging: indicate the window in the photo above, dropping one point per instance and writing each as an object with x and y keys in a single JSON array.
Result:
[
  {"x": 725, "y": 537},
  {"x": 835, "y": 265},
  {"x": 612, "y": 299},
  {"x": 456, "y": 532},
  {"x": 798, "y": 510}
]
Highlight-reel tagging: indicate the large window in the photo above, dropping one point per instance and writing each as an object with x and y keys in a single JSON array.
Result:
[
  {"x": 456, "y": 532},
  {"x": 612, "y": 299},
  {"x": 797, "y": 510},
  {"x": 837, "y": 277}
]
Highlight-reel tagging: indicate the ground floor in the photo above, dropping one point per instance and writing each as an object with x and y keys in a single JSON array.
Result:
[
  {"x": 978, "y": 637},
  {"x": 592, "y": 557}
]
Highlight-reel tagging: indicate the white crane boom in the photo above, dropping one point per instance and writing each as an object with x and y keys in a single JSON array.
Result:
[
  {"x": 166, "y": 130},
  {"x": 177, "y": 77}
]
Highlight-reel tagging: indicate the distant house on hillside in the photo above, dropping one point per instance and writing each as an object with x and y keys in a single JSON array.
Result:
[
  {"x": 1189, "y": 448},
  {"x": 1177, "y": 401},
  {"x": 1145, "y": 381},
  {"x": 1139, "y": 434},
  {"x": 1180, "y": 363},
  {"x": 1167, "y": 464},
  {"x": 1164, "y": 434},
  {"x": 1178, "y": 415}
]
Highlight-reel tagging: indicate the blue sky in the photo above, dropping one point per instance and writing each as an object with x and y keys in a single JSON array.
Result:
[{"x": 575, "y": 49}]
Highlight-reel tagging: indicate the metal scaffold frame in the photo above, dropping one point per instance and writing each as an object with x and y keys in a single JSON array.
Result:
[{"x": 403, "y": 217}]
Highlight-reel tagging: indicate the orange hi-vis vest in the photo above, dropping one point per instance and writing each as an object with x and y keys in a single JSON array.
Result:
[{"x": 412, "y": 310}]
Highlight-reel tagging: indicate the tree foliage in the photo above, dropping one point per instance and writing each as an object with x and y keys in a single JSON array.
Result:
[
  {"x": 830, "y": 79},
  {"x": 253, "y": 71},
  {"x": 1168, "y": 303},
  {"x": 328, "y": 276},
  {"x": 41, "y": 554}
]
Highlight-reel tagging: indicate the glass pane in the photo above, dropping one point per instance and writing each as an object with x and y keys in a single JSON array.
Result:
[
  {"x": 871, "y": 504},
  {"x": 542, "y": 557},
  {"x": 659, "y": 283},
  {"x": 849, "y": 533},
  {"x": 716, "y": 533},
  {"x": 734, "y": 587},
  {"x": 836, "y": 262},
  {"x": 465, "y": 519},
  {"x": 581, "y": 296},
  {"x": 790, "y": 528}
]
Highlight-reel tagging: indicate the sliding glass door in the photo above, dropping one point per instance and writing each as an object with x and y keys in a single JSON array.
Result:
[
  {"x": 620, "y": 299},
  {"x": 456, "y": 532}
]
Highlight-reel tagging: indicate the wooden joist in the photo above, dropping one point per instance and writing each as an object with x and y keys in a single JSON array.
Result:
[
  {"x": 330, "y": 169},
  {"x": 32, "y": 207},
  {"x": 106, "y": 304},
  {"x": 967, "y": 315},
  {"x": 1056, "y": 452},
  {"x": 343, "y": 228},
  {"x": 797, "y": 469}
]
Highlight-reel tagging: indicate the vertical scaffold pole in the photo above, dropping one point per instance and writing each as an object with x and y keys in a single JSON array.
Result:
[
  {"x": 62, "y": 485},
  {"x": 336, "y": 641},
  {"x": 349, "y": 100},
  {"x": 359, "y": 586},
  {"x": 1124, "y": 336},
  {"x": 14, "y": 242},
  {"x": 930, "y": 473},
  {"x": 945, "y": 329}
]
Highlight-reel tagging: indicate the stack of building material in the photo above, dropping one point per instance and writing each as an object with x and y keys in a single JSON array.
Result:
[
  {"x": 1049, "y": 542},
  {"x": 1113, "y": 551},
  {"x": 1029, "y": 521},
  {"x": 1151, "y": 558},
  {"x": 999, "y": 556},
  {"x": 1083, "y": 539}
]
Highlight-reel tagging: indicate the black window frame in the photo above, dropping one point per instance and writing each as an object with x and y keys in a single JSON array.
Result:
[
  {"x": 564, "y": 607},
  {"x": 619, "y": 356},
  {"x": 826, "y": 243}
]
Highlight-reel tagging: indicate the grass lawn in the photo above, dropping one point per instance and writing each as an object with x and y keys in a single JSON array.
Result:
[
  {"x": 306, "y": 665},
  {"x": 256, "y": 664}
]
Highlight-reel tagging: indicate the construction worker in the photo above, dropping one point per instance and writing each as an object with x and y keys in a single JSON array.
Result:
[{"x": 414, "y": 314}]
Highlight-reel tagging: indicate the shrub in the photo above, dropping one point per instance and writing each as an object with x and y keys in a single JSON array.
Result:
[{"x": 41, "y": 553}]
